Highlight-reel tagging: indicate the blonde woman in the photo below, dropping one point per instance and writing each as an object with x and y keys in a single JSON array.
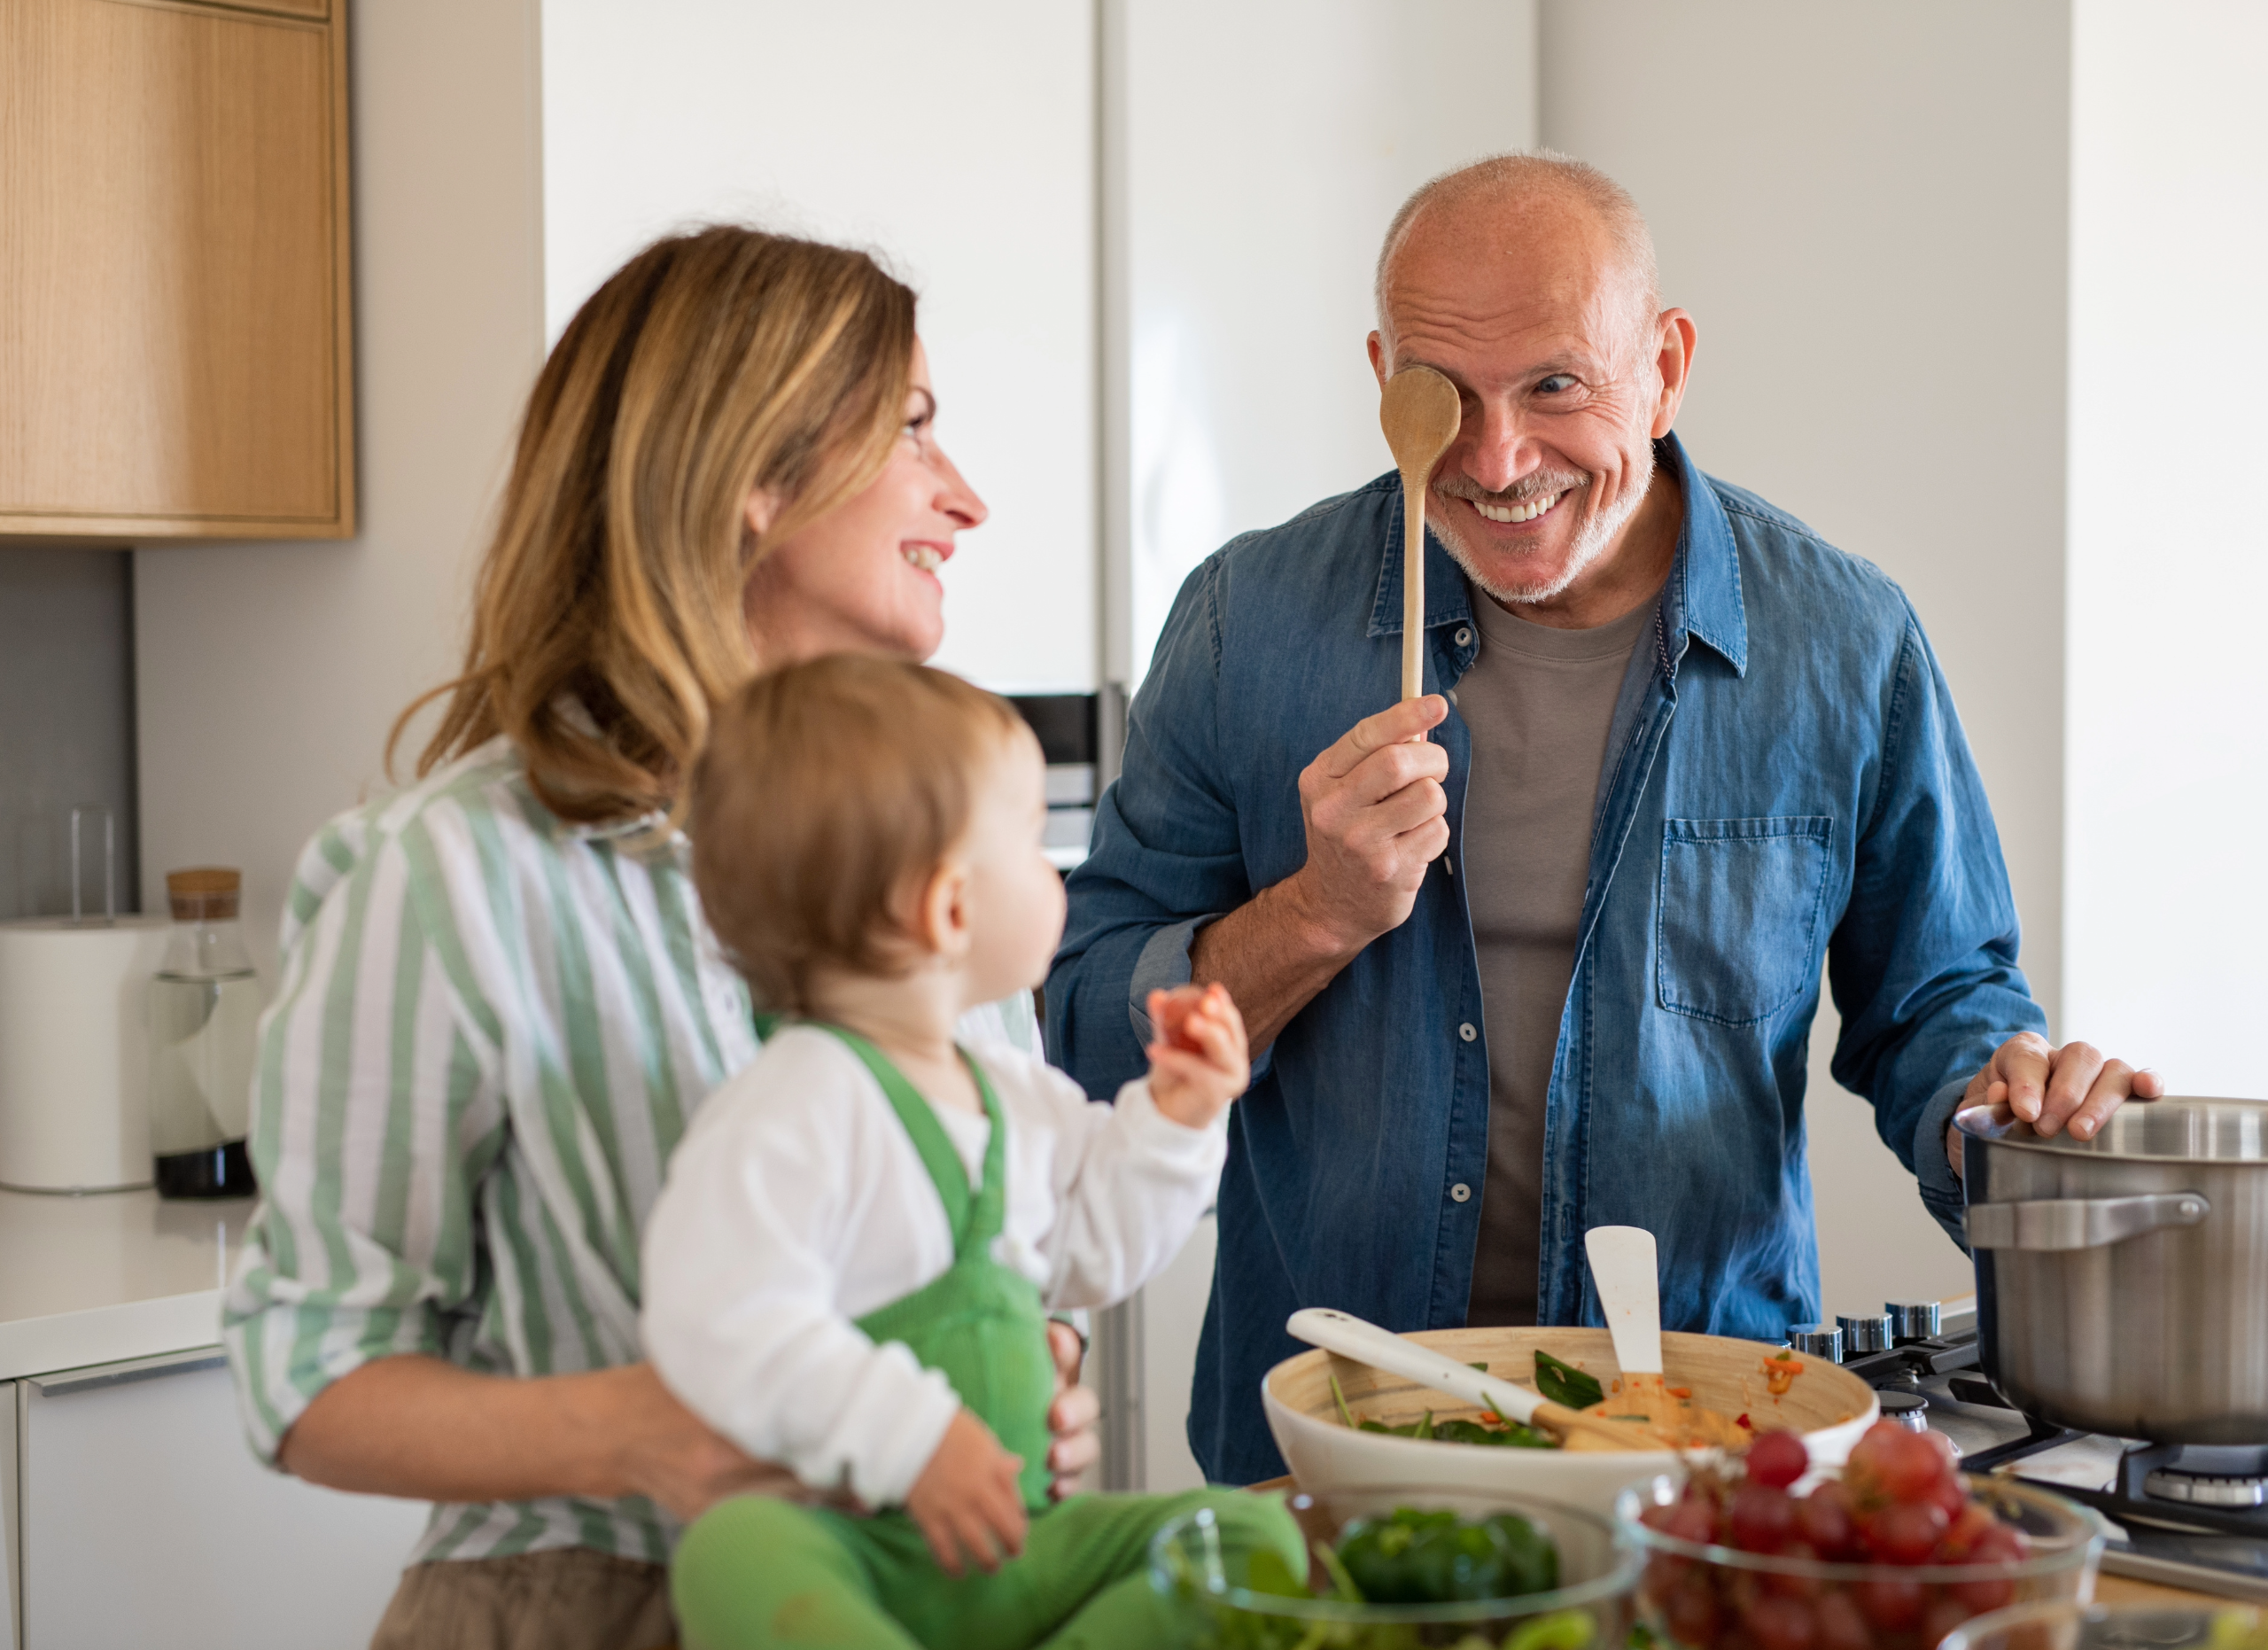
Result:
[{"x": 499, "y": 1001}]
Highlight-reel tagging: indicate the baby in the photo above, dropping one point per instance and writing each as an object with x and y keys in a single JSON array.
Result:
[{"x": 851, "y": 1266}]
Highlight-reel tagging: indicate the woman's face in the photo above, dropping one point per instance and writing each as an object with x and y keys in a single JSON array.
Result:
[{"x": 863, "y": 578}]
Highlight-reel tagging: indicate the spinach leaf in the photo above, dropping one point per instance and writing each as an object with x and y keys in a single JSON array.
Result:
[{"x": 1564, "y": 1383}]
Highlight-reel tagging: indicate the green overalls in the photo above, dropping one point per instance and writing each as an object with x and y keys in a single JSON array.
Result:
[{"x": 756, "y": 1571}]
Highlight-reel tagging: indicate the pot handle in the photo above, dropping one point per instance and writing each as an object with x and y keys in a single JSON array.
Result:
[{"x": 2068, "y": 1222}]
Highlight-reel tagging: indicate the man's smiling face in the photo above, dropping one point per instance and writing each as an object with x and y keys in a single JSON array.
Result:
[{"x": 1526, "y": 305}]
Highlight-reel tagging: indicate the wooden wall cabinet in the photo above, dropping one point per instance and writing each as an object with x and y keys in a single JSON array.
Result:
[{"x": 176, "y": 332}]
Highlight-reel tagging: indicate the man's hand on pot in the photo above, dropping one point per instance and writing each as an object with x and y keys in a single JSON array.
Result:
[
  {"x": 1376, "y": 817},
  {"x": 1073, "y": 1416},
  {"x": 2075, "y": 1088}
]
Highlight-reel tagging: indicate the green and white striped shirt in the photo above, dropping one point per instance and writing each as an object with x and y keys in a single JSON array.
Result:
[{"x": 491, "y": 1028}]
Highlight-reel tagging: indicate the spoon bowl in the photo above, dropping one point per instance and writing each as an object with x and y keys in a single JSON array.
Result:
[{"x": 1419, "y": 412}]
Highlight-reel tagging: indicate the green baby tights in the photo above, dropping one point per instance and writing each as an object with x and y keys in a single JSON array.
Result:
[{"x": 759, "y": 1572}]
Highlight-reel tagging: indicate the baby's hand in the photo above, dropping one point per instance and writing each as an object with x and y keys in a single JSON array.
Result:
[
  {"x": 1199, "y": 1061},
  {"x": 966, "y": 1500}
]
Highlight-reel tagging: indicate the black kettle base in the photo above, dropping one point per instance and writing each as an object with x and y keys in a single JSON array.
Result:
[{"x": 223, "y": 1170}]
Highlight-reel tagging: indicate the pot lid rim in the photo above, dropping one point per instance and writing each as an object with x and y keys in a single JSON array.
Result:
[{"x": 1997, "y": 1126}]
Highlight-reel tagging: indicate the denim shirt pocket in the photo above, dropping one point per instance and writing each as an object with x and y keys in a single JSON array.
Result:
[{"x": 1737, "y": 935}]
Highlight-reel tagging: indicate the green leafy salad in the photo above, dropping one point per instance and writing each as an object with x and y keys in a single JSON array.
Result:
[
  {"x": 1562, "y": 1383},
  {"x": 1412, "y": 1556}
]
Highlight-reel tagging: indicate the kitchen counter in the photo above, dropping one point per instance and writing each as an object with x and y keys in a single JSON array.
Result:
[{"x": 114, "y": 1275}]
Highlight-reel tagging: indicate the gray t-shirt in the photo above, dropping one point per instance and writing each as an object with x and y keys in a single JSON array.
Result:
[{"x": 1538, "y": 702}]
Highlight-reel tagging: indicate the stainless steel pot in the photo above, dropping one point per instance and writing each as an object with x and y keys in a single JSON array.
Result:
[{"x": 2122, "y": 1282}]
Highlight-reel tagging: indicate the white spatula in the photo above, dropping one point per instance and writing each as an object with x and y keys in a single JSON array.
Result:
[
  {"x": 1625, "y": 1269},
  {"x": 1365, "y": 1343}
]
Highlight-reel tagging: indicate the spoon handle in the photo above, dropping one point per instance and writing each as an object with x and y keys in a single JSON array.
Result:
[
  {"x": 1413, "y": 585},
  {"x": 1365, "y": 1343}
]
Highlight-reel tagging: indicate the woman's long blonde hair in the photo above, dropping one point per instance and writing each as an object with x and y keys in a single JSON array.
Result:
[{"x": 607, "y": 620}]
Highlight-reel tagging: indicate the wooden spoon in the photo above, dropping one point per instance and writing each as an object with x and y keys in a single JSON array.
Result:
[
  {"x": 1365, "y": 1343},
  {"x": 1420, "y": 414}
]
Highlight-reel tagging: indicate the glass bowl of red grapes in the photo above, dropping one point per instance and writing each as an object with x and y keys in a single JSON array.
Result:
[{"x": 1893, "y": 1552}]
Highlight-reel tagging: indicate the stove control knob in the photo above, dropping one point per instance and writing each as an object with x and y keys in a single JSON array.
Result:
[
  {"x": 1821, "y": 1339},
  {"x": 1912, "y": 1321},
  {"x": 1909, "y": 1409},
  {"x": 1863, "y": 1335}
]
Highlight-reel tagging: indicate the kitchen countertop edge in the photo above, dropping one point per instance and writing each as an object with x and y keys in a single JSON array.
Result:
[{"x": 110, "y": 1334}]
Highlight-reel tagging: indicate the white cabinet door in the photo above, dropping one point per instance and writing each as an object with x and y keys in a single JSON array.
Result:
[{"x": 145, "y": 1521}]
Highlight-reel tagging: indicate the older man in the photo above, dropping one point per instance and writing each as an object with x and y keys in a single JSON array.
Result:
[{"x": 1541, "y": 950}]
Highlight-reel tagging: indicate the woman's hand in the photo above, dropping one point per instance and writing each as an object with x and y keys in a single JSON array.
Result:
[
  {"x": 1198, "y": 1059},
  {"x": 1072, "y": 1417},
  {"x": 669, "y": 1455}
]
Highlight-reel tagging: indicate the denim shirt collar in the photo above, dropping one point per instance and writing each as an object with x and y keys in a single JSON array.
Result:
[{"x": 1702, "y": 600}]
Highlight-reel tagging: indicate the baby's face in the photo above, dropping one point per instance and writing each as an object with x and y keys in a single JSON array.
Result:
[{"x": 1015, "y": 897}]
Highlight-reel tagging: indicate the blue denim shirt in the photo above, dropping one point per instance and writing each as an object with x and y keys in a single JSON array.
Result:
[{"x": 1784, "y": 776}]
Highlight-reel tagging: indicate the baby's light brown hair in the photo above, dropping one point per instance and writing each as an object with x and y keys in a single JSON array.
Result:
[{"x": 827, "y": 794}]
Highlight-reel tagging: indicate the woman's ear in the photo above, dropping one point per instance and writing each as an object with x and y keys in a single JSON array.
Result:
[{"x": 761, "y": 510}]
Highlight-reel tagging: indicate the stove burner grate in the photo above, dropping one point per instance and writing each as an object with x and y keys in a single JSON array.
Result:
[{"x": 2215, "y": 1490}]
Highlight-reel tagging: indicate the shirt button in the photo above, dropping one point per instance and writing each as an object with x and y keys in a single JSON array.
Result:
[
  {"x": 1460, "y": 1193},
  {"x": 1466, "y": 1031},
  {"x": 1463, "y": 637}
]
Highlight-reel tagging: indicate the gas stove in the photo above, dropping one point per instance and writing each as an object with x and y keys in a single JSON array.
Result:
[{"x": 2182, "y": 1515}]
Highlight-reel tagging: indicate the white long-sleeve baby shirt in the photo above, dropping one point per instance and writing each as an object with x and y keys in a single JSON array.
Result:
[{"x": 796, "y": 1202}]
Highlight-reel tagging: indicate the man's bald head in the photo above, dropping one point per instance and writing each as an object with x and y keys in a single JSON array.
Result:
[{"x": 1549, "y": 188}]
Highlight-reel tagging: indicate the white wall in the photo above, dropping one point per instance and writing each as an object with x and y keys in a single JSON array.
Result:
[
  {"x": 2167, "y": 776},
  {"x": 1254, "y": 152},
  {"x": 960, "y": 141},
  {"x": 267, "y": 674},
  {"x": 1864, "y": 208}
]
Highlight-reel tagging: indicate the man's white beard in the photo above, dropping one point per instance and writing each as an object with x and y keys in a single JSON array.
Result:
[{"x": 1591, "y": 541}]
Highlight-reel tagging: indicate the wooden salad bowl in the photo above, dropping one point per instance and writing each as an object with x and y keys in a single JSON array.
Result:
[{"x": 1826, "y": 1403}]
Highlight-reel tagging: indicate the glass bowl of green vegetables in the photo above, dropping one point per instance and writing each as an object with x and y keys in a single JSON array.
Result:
[{"x": 1398, "y": 1569}]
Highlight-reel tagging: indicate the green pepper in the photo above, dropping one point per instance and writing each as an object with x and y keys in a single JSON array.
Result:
[
  {"x": 1463, "y": 1563},
  {"x": 1562, "y": 1630},
  {"x": 1531, "y": 1562},
  {"x": 1377, "y": 1554},
  {"x": 1415, "y": 1557},
  {"x": 1267, "y": 1573}
]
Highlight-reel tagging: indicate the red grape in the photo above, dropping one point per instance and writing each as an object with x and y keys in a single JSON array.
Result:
[
  {"x": 1691, "y": 1521},
  {"x": 1782, "y": 1623},
  {"x": 1952, "y": 1494},
  {"x": 1864, "y": 1469},
  {"x": 1761, "y": 1518},
  {"x": 1841, "y": 1626},
  {"x": 2000, "y": 1545},
  {"x": 1823, "y": 1519},
  {"x": 1971, "y": 1522},
  {"x": 1981, "y": 1596},
  {"x": 1691, "y": 1611},
  {"x": 1941, "y": 1617},
  {"x": 1907, "y": 1532},
  {"x": 1777, "y": 1459},
  {"x": 1788, "y": 1583},
  {"x": 1891, "y": 1604},
  {"x": 1909, "y": 1466}
]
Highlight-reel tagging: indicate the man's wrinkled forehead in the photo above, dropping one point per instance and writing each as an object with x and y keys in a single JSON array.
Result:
[{"x": 1538, "y": 276}]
